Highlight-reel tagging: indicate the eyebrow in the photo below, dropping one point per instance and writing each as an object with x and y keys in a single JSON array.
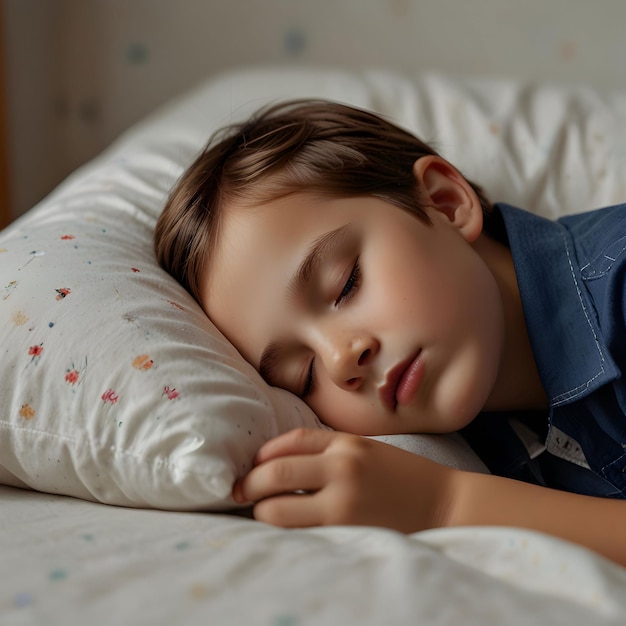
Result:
[{"x": 319, "y": 250}]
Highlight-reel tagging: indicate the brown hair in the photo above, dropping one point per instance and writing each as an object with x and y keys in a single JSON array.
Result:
[{"x": 304, "y": 145}]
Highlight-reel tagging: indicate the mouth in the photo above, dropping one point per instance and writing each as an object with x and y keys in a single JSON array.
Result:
[{"x": 402, "y": 382}]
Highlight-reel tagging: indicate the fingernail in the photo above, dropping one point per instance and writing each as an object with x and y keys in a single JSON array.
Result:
[{"x": 237, "y": 495}]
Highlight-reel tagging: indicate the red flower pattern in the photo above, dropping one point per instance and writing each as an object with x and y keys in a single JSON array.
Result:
[
  {"x": 72, "y": 377},
  {"x": 170, "y": 392},
  {"x": 110, "y": 396},
  {"x": 35, "y": 350}
]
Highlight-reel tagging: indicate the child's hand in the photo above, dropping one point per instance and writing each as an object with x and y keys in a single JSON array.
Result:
[
  {"x": 346, "y": 479},
  {"x": 351, "y": 480}
]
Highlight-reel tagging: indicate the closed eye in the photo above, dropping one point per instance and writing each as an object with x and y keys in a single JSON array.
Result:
[
  {"x": 309, "y": 384},
  {"x": 352, "y": 284},
  {"x": 348, "y": 291}
]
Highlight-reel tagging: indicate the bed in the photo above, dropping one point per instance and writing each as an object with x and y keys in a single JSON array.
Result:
[{"x": 125, "y": 416}]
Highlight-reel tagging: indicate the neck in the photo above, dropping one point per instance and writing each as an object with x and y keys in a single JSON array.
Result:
[{"x": 518, "y": 386}]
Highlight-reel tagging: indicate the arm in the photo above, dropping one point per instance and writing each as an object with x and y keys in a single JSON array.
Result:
[
  {"x": 347, "y": 479},
  {"x": 596, "y": 523}
]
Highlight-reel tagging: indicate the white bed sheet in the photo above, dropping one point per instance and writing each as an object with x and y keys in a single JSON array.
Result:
[{"x": 71, "y": 562}]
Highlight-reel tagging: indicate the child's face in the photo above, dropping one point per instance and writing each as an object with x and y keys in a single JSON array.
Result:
[{"x": 394, "y": 326}]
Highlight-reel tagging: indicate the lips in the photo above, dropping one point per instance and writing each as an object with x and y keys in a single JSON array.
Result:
[{"x": 402, "y": 382}]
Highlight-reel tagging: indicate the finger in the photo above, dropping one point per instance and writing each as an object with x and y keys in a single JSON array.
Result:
[
  {"x": 290, "y": 511},
  {"x": 237, "y": 493},
  {"x": 282, "y": 475},
  {"x": 297, "y": 441}
]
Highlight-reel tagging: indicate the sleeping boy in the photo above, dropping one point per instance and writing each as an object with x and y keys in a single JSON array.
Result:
[{"x": 353, "y": 266}]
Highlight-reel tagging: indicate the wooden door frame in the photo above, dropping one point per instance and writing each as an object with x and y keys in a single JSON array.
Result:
[{"x": 5, "y": 199}]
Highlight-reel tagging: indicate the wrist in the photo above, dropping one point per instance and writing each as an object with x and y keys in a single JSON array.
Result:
[{"x": 455, "y": 501}]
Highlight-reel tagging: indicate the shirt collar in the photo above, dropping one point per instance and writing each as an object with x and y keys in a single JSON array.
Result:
[{"x": 570, "y": 352}]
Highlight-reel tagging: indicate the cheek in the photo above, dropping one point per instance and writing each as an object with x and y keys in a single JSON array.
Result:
[
  {"x": 416, "y": 295},
  {"x": 474, "y": 353},
  {"x": 329, "y": 407},
  {"x": 344, "y": 411},
  {"x": 455, "y": 293}
]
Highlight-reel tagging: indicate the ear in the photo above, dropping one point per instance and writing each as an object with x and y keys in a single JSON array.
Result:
[{"x": 443, "y": 187}]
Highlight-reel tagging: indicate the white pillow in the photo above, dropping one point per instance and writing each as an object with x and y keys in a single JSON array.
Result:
[{"x": 114, "y": 386}]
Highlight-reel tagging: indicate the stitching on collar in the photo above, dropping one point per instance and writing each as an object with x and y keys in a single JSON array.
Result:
[{"x": 572, "y": 393}]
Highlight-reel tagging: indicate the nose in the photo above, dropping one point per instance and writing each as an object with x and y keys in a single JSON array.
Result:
[{"x": 347, "y": 359}]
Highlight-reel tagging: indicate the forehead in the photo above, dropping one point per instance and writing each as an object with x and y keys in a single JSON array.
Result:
[{"x": 257, "y": 252}]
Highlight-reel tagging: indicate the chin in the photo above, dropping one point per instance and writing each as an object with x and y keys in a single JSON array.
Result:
[
  {"x": 466, "y": 391},
  {"x": 459, "y": 409}
]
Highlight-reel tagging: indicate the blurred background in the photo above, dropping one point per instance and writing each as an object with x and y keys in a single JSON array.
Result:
[{"x": 75, "y": 73}]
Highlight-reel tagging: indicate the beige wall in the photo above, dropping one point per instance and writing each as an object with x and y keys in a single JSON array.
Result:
[
  {"x": 33, "y": 75},
  {"x": 81, "y": 71}
]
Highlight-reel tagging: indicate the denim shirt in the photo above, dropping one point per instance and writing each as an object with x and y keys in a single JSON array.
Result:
[{"x": 572, "y": 280}]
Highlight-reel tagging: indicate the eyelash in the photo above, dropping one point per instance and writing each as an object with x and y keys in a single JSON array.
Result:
[
  {"x": 308, "y": 385},
  {"x": 353, "y": 282},
  {"x": 351, "y": 285}
]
